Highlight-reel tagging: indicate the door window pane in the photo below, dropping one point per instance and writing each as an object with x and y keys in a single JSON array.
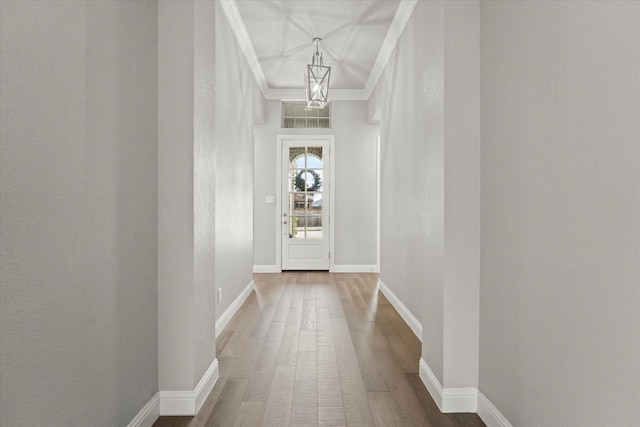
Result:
[
  {"x": 314, "y": 161},
  {"x": 297, "y": 227},
  {"x": 307, "y": 180},
  {"x": 297, "y": 205},
  {"x": 315, "y": 208},
  {"x": 296, "y": 177},
  {"x": 296, "y": 153},
  {"x": 314, "y": 227},
  {"x": 316, "y": 151}
]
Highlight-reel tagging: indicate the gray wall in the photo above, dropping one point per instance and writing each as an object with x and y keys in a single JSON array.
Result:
[
  {"x": 461, "y": 193},
  {"x": 208, "y": 103},
  {"x": 186, "y": 196},
  {"x": 403, "y": 191},
  {"x": 78, "y": 212},
  {"x": 430, "y": 174},
  {"x": 354, "y": 186},
  {"x": 239, "y": 104},
  {"x": 560, "y": 282},
  {"x": 175, "y": 195},
  {"x": 204, "y": 173},
  {"x": 553, "y": 252}
]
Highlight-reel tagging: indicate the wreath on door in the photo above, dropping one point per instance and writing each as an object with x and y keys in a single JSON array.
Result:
[{"x": 300, "y": 181}]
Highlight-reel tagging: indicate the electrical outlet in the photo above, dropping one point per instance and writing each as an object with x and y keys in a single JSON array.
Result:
[{"x": 219, "y": 295}]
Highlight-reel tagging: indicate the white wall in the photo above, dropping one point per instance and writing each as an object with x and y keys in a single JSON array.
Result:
[
  {"x": 239, "y": 104},
  {"x": 560, "y": 279},
  {"x": 186, "y": 203},
  {"x": 354, "y": 186},
  {"x": 461, "y": 193},
  {"x": 204, "y": 174},
  {"x": 428, "y": 103},
  {"x": 403, "y": 193},
  {"x": 175, "y": 195},
  {"x": 208, "y": 104},
  {"x": 78, "y": 211}
]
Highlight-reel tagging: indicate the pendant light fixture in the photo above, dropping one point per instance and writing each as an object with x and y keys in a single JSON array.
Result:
[{"x": 316, "y": 80}]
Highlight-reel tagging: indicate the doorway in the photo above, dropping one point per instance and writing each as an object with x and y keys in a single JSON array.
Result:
[{"x": 306, "y": 202}]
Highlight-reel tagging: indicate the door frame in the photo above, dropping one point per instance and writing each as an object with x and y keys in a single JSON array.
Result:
[{"x": 330, "y": 139}]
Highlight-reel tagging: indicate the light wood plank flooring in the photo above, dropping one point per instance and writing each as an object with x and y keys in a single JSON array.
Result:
[{"x": 318, "y": 349}]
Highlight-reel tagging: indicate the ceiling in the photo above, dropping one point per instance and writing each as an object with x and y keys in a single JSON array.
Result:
[{"x": 358, "y": 38}]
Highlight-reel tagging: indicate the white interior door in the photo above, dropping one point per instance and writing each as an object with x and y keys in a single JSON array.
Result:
[{"x": 306, "y": 186}]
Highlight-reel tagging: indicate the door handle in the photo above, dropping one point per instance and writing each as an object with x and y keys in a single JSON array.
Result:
[
  {"x": 284, "y": 214},
  {"x": 284, "y": 222}
]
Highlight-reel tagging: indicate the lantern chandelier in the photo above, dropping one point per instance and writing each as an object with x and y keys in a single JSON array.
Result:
[{"x": 316, "y": 80}]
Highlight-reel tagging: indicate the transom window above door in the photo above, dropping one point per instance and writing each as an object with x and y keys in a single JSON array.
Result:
[{"x": 297, "y": 115}]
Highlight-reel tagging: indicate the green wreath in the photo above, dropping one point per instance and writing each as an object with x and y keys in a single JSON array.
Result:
[{"x": 300, "y": 183}]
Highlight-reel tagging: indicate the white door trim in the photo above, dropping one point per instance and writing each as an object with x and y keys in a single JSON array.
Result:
[
  {"x": 330, "y": 139},
  {"x": 377, "y": 270}
]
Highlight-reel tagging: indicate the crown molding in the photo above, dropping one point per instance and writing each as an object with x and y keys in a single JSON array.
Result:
[
  {"x": 240, "y": 30},
  {"x": 298, "y": 94},
  {"x": 400, "y": 20}
]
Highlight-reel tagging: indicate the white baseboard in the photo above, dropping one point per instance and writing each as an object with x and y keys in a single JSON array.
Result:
[
  {"x": 173, "y": 403},
  {"x": 224, "y": 319},
  {"x": 355, "y": 269},
  {"x": 265, "y": 269},
  {"x": 459, "y": 399},
  {"x": 431, "y": 382},
  {"x": 206, "y": 384},
  {"x": 148, "y": 414},
  {"x": 177, "y": 403},
  {"x": 402, "y": 309},
  {"x": 490, "y": 414},
  {"x": 336, "y": 269},
  {"x": 462, "y": 399}
]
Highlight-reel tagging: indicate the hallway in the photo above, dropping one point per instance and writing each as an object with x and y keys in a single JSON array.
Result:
[
  {"x": 318, "y": 349},
  {"x": 487, "y": 165}
]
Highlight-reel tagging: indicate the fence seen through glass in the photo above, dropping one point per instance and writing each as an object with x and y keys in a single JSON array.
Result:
[{"x": 305, "y": 192}]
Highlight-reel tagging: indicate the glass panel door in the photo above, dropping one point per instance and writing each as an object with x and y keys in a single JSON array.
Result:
[{"x": 305, "y": 236}]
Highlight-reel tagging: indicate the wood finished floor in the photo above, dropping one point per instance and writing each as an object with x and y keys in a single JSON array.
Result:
[{"x": 318, "y": 349}]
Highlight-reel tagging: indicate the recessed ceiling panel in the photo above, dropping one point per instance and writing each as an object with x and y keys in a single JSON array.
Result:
[{"x": 281, "y": 32}]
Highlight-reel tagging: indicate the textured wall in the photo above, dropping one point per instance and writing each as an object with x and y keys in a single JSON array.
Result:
[
  {"x": 403, "y": 170},
  {"x": 560, "y": 279},
  {"x": 176, "y": 298},
  {"x": 187, "y": 196},
  {"x": 429, "y": 34},
  {"x": 237, "y": 96},
  {"x": 428, "y": 104},
  {"x": 78, "y": 210},
  {"x": 355, "y": 183},
  {"x": 461, "y": 193},
  {"x": 204, "y": 197}
]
